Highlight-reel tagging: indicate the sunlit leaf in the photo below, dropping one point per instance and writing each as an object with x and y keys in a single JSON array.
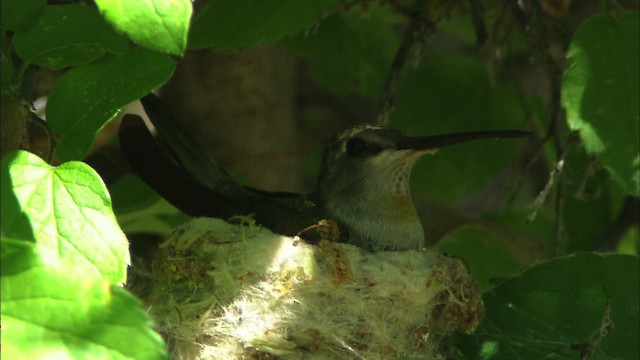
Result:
[
  {"x": 84, "y": 99},
  {"x": 66, "y": 212},
  {"x": 155, "y": 24},
  {"x": 60, "y": 312},
  {"x": 63, "y": 258},
  {"x": 600, "y": 93}
]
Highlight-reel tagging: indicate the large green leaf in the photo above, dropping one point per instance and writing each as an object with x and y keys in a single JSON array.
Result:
[
  {"x": 20, "y": 14},
  {"x": 600, "y": 93},
  {"x": 63, "y": 256},
  {"x": 63, "y": 313},
  {"x": 555, "y": 309},
  {"x": 84, "y": 99},
  {"x": 232, "y": 24},
  {"x": 453, "y": 93},
  {"x": 156, "y": 24},
  {"x": 351, "y": 52},
  {"x": 66, "y": 212},
  {"x": 68, "y": 35}
]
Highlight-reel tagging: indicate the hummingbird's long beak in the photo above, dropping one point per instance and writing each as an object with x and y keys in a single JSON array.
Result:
[{"x": 434, "y": 142}]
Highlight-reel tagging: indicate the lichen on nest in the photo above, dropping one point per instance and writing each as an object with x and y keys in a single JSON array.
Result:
[{"x": 223, "y": 291}]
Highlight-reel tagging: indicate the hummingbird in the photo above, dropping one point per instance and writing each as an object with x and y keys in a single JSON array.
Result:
[{"x": 364, "y": 183}]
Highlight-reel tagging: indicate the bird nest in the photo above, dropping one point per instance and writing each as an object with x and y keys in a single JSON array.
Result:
[{"x": 223, "y": 291}]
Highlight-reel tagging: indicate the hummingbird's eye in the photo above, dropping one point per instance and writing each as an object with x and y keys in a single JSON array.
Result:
[{"x": 357, "y": 148}]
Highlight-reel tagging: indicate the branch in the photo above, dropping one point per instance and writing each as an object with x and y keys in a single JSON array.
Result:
[
  {"x": 412, "y": 45},
  {"x": 542, "y": 196},
  {"x": 477, "y": 17},
  {"x": 538, "y": 31}
]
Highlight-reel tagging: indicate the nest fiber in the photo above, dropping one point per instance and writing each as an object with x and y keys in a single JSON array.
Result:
[{"x": 223, "y": 291}]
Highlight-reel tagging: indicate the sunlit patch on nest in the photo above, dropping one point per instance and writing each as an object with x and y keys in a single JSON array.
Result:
[{"x": 234, "y": 294}]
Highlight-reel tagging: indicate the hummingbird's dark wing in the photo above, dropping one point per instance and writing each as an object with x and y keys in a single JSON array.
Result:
[
  {"x": 184, "y": 150},
  {"x": 174, "y": 166}
]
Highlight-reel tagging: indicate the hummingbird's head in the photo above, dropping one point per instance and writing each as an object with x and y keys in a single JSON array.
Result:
[
  {"x": 366, "y": 158},
  {"x": 364, "y": 185},
  {"x": 364, "y": 182}
]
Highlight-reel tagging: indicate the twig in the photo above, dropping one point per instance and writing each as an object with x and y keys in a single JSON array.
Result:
[
  {"x": 591, "y": 168},
  {"x": 350, "y": 4},
  {"x": 417, "y": 31},
  {"x": 342, "y": 7},
  {"x": 606, "y": 326},
  {"x": 412, "y": 45},
  {"x": 559, "y": 124},
  {"x": 542, "y": 196},
  {"x": 526, "y": 164},
  {"x": 559, "y": 221},
  {"x": 554, "y": 176},
  {"x": 535, "y": 153}
]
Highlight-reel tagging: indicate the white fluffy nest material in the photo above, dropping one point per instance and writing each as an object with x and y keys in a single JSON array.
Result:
[{"x": 225, "y": 291}]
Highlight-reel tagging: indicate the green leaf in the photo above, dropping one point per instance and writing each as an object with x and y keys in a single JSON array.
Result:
[
  {"x": 155, "y": 24},
  {"x": 460, "y": 29},
  {"x": 60, "y": 312},
  {"x": 555, "y": 308},
  {"x": 483, "y": 251},
  {"x": 66, "y": 212},
  {"x": 130, "y": 194},
  {"x": 17, "y": 256},
  {"x": 139, "y": 209},
  {"x": 158, "y": 218},
  {"x": 629, "y": 243},
  {"x": 529, "y": 242},
  {"x": 589, "y": 204},
  {"x": 453, "y": 93},
  {"x": 68, "y": 35},
  {"x": 20, "y": 14},
  {"x": 600, "y": 93},
  {"x": 232, "y": 24},
  {"x": 84, "y": 99},
  {"x": 351, "y": 52},
  {"x": 62, "y": 256}
]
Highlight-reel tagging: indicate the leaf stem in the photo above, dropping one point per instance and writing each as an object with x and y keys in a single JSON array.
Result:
[{"x": 53, "y": 144}]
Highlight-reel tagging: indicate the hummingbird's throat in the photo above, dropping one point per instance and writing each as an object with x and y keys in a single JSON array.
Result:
[{"x": 385, "y": 217}]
